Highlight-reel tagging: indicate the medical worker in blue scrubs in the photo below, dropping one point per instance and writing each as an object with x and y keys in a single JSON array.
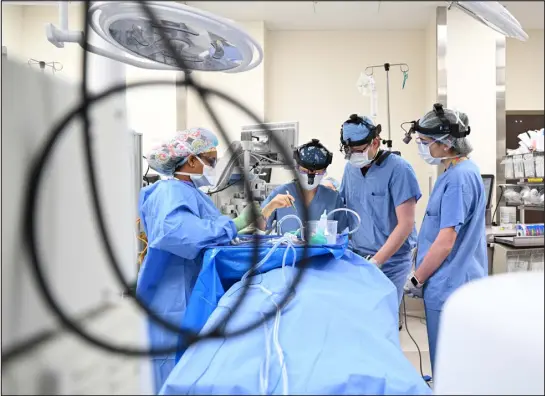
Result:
[
  {"x": 382, "y": 187},
  {"x": 311, "y": 162},
  {"x": 451, "y": 249},
  {"x": 331, "y": 183},
  {"x": 179, "y": 221}
]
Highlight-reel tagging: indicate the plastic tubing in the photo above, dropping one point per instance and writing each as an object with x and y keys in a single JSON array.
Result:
[
  {"x": 350, "y": 211},
  {"x": 291, "y": 216}
]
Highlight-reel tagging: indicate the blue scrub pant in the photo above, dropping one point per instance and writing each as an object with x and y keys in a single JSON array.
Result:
[
  {"x": 432, "y": 323},
  {"x": 161, "y": 370},
  {"x": 398, "y": 272}
]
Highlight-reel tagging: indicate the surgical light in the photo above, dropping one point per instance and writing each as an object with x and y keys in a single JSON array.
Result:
[
  {"x": 493, "y": 15},
  {"x": 204, "y": 41}
]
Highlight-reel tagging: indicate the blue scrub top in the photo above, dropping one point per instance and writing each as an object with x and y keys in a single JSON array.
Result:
[
  {"x": 180, "y": 222},
  {"x": 375, "y": 197},
  {"x": 458, "y": 200},
  {"x": 325, "y": 199}
]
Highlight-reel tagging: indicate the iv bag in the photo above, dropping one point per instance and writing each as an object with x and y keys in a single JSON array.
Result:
[{"x": 366, "y": 86}]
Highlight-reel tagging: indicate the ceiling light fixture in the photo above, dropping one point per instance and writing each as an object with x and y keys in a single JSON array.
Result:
[
  {"x": 493, "y": 15},
  {"x": 205, "y": 41}
]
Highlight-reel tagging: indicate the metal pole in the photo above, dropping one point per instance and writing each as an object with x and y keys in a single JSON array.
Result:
[
  {"x": 387, "y": 69},
  {"x": 388, "y": 103},
  {"x": 246, "y": 169}
]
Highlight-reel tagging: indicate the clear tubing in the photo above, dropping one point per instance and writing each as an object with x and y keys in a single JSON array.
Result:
[
  {"x": 269, "y": 254},
  {"x": 291, "y": 216},
  {"x": 350, "y": 211}
]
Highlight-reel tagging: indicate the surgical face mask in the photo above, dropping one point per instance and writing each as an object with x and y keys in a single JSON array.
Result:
[
  {"x": 207, "y": 178},
  {"x": 303, "y": 179},
  {"x": 424, "y": 152},
  {"x": 359, "y": 160}
]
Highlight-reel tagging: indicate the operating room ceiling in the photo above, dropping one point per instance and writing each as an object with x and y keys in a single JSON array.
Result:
[{"x": 349, "y": 15}]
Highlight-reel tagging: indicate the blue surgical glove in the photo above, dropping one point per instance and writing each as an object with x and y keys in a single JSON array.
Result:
[{"x": 411, "y": 290}]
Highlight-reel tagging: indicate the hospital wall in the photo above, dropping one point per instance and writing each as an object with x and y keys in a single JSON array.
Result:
[
  {"x": 524, "y": 73},
  {"x": 23, "y": 32},
  {"x": 151, "y": 111},
  {"x": 471, "y": 82},
  {"x": 311, "y": 78},
  {"x": 12, "y": 21}
]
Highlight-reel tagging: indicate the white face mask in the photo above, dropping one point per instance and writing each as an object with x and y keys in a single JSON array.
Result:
[
  {"x": 359, "y": 160},
  {"x": 425, "y": 154},
  {"x": 303, "y": 179},
  {"x": 207, "y": 178}
]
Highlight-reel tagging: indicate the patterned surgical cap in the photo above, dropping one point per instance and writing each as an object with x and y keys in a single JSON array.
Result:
[{"x": 168, "y": 157}]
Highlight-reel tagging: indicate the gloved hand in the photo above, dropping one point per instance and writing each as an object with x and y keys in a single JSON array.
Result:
[
  {"x": 246, "y": 216},
  {"x": 372, "y": 260},
  {"x": 411, "y": 290}
]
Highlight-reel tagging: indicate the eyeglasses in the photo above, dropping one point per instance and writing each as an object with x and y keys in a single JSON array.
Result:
[
  {"x": 212, "y": 161},
  {"x": 423, "y": 142},
  {"x": 349, "y": 150}
]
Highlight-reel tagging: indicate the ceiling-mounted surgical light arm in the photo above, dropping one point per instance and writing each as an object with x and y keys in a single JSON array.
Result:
[
  {"x": 58, "y": 37},
  {"x": 494, "y": 15},
  {"x": 207, "y": 34}
]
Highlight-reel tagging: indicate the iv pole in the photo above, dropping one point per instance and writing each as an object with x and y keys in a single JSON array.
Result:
[{"x": 405, "y": 69}]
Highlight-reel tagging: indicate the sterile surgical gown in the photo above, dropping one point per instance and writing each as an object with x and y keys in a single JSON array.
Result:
[
  {"x": 458, "y": 200},
  {"x": 179, "y": 222},
  {"x": 375, "y": 196},
  {"x": 325, "y": 199}
]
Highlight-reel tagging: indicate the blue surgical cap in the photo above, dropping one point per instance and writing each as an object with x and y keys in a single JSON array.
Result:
[{"x": 356, "y": 132}]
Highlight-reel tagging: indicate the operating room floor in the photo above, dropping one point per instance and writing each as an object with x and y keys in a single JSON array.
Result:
[{"x": 417, "y": 328}]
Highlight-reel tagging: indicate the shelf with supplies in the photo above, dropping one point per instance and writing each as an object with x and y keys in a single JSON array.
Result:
[
  {"x": 523, "y": 194},
  {"x": 528, "y": 181},
  {"x": 526, "y": 207},
  {"x": 524, "y": 167}
]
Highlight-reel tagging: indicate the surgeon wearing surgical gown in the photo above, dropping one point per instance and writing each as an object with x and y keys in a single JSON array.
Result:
[
  {"x": 311, "y": 162},
  {"x": 179, "y": 221},
  {"x": 382, "y": 188},
  {"x": 451, "y": 249}
]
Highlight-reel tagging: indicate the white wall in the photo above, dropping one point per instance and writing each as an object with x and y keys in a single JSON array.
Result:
[
  {"x": 431, "y": 61},
  {"x": 431, "y": 97},
  {"x": 247, "y": 87},
  {"x": 311, "y": 78},
  {"x": 524, "y": 73},
  {"x": 34, "y": 42},
  {"x": 12, "y": 22},
  {"x": 150, "y": 111},
  {"x": 471, "y": 82}
]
